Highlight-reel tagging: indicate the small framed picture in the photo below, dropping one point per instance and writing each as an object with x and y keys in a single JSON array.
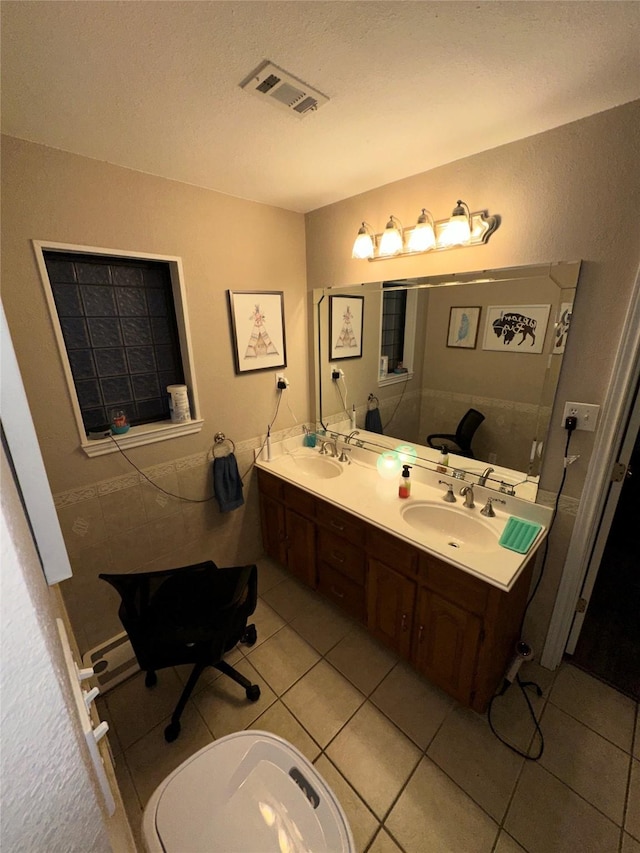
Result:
[
  {"x": 516, "y": 328},
  {"x": 346, "y": 316},
  {"x": 257, "y": 329},
  {"x": 463, "y": 327}
]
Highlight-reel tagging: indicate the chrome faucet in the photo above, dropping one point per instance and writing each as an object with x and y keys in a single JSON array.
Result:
[
  {"x": 331, "y": 444},
  {"x": 449, "y": 496},
  {"x": 467, "y": 494},
  {"x": 487, "y": 509},
  {"x": 351, "y": 435},
  {"x": 483, "y": 477}
]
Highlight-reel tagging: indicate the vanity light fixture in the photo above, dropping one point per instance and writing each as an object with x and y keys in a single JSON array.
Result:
[
  {"x": 392, "y": 240},
  {"x": 423, "y": 237},
  {"x": 458, "y": 230},
  {"x": 463, "y": 228},
  {"x": 365, "y": 243}
]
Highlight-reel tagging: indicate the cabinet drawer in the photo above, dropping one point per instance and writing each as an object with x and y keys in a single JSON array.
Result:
[
  {"x": 299, "y": 500},
  {"x": 341, "y": 523},
  {"x": 341, "y": 555},
  {"x": 345, "y": 593},
  {"x": 392, "y": 551},
  {"x": 453, "y": 584},
  {"x": 270, "y": 485}
]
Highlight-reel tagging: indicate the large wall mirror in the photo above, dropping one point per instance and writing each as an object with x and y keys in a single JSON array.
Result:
[{"x": 424, "y": 351}]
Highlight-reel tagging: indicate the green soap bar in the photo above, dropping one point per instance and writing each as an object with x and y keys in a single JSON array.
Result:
[{"x": 519, "y": 534}]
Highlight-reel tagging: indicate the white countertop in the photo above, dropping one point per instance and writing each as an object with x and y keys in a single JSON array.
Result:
[{"x": 360, "y": 490}]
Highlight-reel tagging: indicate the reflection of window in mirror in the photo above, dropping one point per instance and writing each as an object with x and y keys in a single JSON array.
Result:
[{"x": 397, "y": 332}]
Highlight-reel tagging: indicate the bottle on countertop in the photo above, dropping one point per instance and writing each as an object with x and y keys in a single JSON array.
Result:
[
  {"x": 444, "y": 460},
  {"x": 404, "y": 489}
]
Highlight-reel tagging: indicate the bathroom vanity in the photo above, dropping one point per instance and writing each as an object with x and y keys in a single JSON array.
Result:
[{"x": 340, "y": 529}]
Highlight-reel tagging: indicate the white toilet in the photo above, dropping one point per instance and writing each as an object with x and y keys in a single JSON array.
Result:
[{"x": 248, "y": 792}]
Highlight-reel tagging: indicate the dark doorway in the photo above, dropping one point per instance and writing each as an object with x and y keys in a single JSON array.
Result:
[{"x": 609, "y": 643}]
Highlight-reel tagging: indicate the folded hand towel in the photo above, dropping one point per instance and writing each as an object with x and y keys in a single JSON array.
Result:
[
  {"x": 227, "y": 485},
  {"x": 373, "y": 421}
]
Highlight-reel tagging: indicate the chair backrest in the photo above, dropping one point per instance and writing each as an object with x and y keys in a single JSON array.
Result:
[
  {"x": 467, "y": 428},
  {"x": 187, "y": 614}
]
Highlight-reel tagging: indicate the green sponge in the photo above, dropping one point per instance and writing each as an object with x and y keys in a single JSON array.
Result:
[{"x": 519, "y": 534}]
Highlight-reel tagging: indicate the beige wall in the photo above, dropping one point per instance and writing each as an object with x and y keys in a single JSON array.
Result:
[
  {"x": 110, "y": 521},
  {"x": 569, "y": 194}
]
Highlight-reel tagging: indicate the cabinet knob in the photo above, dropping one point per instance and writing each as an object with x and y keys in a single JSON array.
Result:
[
  {"x": 337, "y": 556},
  {"x": 337, "y": 592},
  {"x": 403, "y": 624},
  {"x": 337, "y": 526},
  {"x": 420, "y": 633}
]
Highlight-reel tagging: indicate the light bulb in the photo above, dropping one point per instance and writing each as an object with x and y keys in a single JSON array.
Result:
[
  {"x": 422, "y": 238},
  {"x": 457, "y": 231},
  {"x": 388, "y": 464},
  {"x": 407, "y": 454},
  {"x": 391, "y": 242},
  {"x": 363, "y": 246}
]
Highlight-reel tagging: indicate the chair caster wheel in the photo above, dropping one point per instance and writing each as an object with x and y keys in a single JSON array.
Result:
[
  {"x": 253, "y": 693},
  {"x": 150, "y": 679},
  {"x": 250, "y": 635},
  {"x": 171, "y": 732}
]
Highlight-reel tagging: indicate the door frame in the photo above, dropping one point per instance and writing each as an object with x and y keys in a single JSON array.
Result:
[{"x": 590, "y": 521}]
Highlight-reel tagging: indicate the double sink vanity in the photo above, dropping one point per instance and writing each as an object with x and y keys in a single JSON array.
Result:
[{"x": 426, "y": 576}]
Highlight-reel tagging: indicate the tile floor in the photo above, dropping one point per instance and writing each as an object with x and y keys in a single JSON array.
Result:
[{"x": 414, "y": 771}]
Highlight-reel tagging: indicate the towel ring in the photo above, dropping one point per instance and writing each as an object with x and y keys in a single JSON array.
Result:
[
  {"x": 372, "y": 402},
  {"x": 221, "y": 446}
]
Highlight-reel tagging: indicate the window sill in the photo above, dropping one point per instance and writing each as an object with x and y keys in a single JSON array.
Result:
[
  {"x": 140, "y": 435},
  {"x": 392, "y": 378}
]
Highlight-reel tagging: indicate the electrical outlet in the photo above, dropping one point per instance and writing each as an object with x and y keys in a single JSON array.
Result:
[
  {"x": 281, "y": 381},
  {"x": 586, "y": 413},
  {"x": 336, "y": 372}
]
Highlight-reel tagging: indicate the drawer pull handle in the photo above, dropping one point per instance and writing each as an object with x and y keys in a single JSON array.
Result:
[
  {"x": 337, "y": 556},
  {"x": 337, "y": 592},
  {"x": 420, "y": 633},
  {"x": 403, "y": 624},
  {"x": 337, "y": 526}
]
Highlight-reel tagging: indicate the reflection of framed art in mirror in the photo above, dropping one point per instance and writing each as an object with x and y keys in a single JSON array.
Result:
[
  {"x": 345, "y": 327},
  {"x": 463, "y": 327}
]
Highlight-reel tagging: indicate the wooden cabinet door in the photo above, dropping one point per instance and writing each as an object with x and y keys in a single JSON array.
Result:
[
  {"x": 446, "y": 640},
  {"x": 390, "y": 603},
  {"x": 272, "y": 520},
  {"x": 301, "y": 547}
]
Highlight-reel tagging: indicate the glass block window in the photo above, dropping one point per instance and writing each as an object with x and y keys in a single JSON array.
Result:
[
  {"x": 119, "y": 327},
  {"x": 394, "y": 311}
]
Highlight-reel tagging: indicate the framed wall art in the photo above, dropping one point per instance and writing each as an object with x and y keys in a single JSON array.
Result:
[
  {"x": 257, "y": 329},
  {"x": 516, "y": 328},
  {"x": 463, "y": 327},
  {"x": 562, "y": 327},
  {"x": 346, "y": 316}
]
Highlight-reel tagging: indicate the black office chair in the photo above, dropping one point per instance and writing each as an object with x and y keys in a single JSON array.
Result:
[
  {"x": 460, "y": 442},
  {"x": 193, "y": 614}
]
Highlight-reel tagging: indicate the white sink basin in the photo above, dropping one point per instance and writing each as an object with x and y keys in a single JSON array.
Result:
[
  {"x": 318, "y": 467},
  {"x": 450, "y": 527}
]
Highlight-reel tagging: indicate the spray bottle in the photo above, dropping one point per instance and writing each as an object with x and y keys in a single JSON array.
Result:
[{"x": 404, "y": 489}]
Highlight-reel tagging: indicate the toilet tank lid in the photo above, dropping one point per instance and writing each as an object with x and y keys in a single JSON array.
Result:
[{"x": 244, "y": 792}]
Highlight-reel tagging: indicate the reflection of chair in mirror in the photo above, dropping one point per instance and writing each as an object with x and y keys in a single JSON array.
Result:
[
  {"x": 195, "y": 614},
  {"x": 460, "y": 441}
]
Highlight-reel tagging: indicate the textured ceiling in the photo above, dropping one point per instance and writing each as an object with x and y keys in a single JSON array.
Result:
[{"x": 154, "y": 86}]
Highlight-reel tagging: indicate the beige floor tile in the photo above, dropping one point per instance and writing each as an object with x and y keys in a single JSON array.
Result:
[
  {"x": 467, "y": 750},
  {"x": 595, "y": 704},
  {"x": 151, "y": 759},
  {"x": 506, "y": 844},
  {"x": 267, "y": 622},
  {"x": 374, "y": 757},
  {"x": 362, "y": 821},
  {"x": 136, "y": 709},
  {"x": 384, "y": 843},
  {"x": 210, "y": 673},
  {"x": 632, "y": 820},
  {"x": 629, "y": 844},
  {"x": 412, "y": 703},
  {"x": 225, "y": 707},
  {"x": 323, "y": 700},
  {"x": 586, "y": 762},
  {"x": 130, "y": 800},
  {"x": 290, "y": 598},
  {"x": 362, "y": 660},
  {"x": 432, "y": 813},
  {"x": 512, "y": 720},
  {"x": 322, "y": 626},
  {"x": 543, "y": 677},
  {"x": 546, "y": 816},
  {"x": 283, "y": 659},
  {"x": 270, "y": 574},
  {"x": 279, "y": 720}
]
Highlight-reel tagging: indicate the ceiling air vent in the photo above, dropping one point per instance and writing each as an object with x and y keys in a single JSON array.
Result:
[{"x": 277, "y": 86}]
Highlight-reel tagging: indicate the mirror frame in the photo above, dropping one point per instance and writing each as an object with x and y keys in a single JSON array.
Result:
[{"x": 564, "y": 275}]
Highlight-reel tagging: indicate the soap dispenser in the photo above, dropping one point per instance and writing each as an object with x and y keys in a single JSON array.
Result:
[
  {"x": 404, "y": 490},
  {"x": 444, "y": 460}
]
